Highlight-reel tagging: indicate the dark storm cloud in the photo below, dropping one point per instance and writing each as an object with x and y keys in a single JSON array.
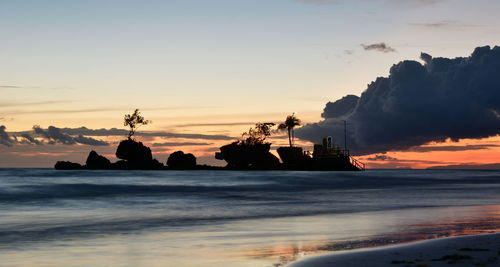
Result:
[
  {"x": 5, "y": 139},
  {"x": 380, "y": 47},
  {"x": 445, "y": 98},
  {"x": 340, "y": 107}
]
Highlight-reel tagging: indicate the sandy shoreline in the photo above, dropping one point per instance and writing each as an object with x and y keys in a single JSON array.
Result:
[{"x": 476, "y": 250}]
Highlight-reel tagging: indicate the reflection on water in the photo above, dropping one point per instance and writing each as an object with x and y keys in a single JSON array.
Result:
[
  {"x": 268, "y": 242},
  {"x": 432, "y": 223}
]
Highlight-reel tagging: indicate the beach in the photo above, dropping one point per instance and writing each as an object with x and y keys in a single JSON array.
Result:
[{"x": 475, "y": 250}]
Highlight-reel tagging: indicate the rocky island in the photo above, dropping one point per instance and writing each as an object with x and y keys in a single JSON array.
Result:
[{"x": 252, "y": 152}]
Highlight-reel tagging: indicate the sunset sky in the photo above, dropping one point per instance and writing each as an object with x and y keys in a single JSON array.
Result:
[{"x": 205, "y": 71}]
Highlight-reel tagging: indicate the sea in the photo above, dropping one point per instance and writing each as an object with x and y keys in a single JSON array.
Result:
[{"x": 231, "y": 218}]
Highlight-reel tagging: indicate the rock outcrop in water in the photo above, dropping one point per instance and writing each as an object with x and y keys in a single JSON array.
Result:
[
  {"x": 242, "y": 156},
  {"x": 135, "y": 156},
  {"x": 96, "y": 161},
  {"x": 250, "y": 153},
  {"x": 180, "y": 161},
  {"x": 66, "y": 165}
]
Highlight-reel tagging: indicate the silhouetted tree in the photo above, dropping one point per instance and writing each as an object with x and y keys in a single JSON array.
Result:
[
  {"x": 134, "y": 121},
  {"x": 290, "y": 123},
  {"x": 258, "y": 134}
]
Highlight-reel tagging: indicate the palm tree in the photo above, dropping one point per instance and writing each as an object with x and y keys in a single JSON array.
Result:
[{"x": 290, "y": 123}]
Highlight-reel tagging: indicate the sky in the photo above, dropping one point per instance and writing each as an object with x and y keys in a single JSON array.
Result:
[{"x": 205, "y": 71}]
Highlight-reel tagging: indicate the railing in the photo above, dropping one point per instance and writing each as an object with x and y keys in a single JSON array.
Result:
[{"x": 358, "y": 164}]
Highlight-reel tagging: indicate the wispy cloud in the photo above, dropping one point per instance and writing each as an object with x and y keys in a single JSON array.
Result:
[
  {"x": 21, "y": 104},
  {"x": 55, "y": 135},
  {"x": 452, "y": 148},
  {"x": 212, "y": 124},
  {"x": 181, "y": 144},
  {"x": 317, "y": 2},
  {"x": 380, "y": 47},
  {"x": 9, "y": 86},
  {"x": 122, "y": 132},
  {"x": 445, "y": 24},
  {"x": 381, "y": 158},
  {"x": 52, "y": 135},
  {"x": 332, "y": 2},
  {"x": 87, "y": 110}
]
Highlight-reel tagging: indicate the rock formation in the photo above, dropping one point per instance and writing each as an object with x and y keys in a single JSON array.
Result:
[
  {"x": 180, "y": 161},
  {"x": 96, "y": 161}
]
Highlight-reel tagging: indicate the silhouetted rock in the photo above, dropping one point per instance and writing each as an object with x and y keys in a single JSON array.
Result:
[
  {"x": 133, "y": 151},
  {"x": 120, "y": 165},
  {"x": 156, "y": 165},
  {"x": 66, "y": 165},
  {"x": 96, "y": 161},
  {"x": 180, "y": 161},
  {"x": 137, "y": 155},
  {"x": 244, "y": 156},
  {"x": 294, "y": 158}
]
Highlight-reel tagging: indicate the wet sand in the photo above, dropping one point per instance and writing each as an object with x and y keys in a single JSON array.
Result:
[{"x": 476, "y": 250}]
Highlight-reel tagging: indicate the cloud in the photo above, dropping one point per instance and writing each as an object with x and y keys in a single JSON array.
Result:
[
  {"x": 88, "y": 110},
  {"x": 181, "y": 144},
  {"x": 452, "y": 148},
  {"x": 123, "y": 132},
  {"x": 55, "y": 135},
  {"x": 9, "y": 86},
  {"x": 340, "y": 107},
  {"x": 30, "y": 103},
  {"x": 28, "y": 139},
  {"x": 493, "y": 166},
  {"x": 89, "y": 141},
  {"x": 5, "y": 139},
  {"x": 449, "y": 24},
  {"x": 332, "y": 2},
  {"x": 213, "y": 124},
  {"x": 380, "y": 47},
  {"x": 444, "y": 99},
  {"x": 382, "y": 158},
  {"x": 317, "y": 2}
]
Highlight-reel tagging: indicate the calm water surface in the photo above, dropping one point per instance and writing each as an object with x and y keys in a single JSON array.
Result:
[{"x": 230, "y": 218}]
